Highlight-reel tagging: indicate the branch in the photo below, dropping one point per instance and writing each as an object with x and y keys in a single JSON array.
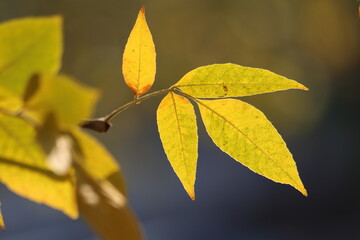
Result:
[{"x": 103, "y": 124}]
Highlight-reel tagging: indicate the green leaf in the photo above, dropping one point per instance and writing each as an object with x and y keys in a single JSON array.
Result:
[
  {"x": 176, "y": 121},
  {"x": 28, "y": 46},
  {"x": 243, "y": 132},
  {"x": 24, "y": 171},
  {"x": 231, "y": 80},
  {"x": 69, "y": 100}
]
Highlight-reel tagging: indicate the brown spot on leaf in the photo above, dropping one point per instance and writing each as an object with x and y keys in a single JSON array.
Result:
[{"x": 226, "y": 90}]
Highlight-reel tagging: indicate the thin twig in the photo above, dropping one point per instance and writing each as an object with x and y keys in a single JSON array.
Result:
[
  {"x": 103, "y": 124},
  {"x": 135, "y": 101}
]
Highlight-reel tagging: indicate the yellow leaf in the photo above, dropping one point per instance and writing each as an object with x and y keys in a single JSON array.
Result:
[
  {"x": 139, "y": 59},
  {"x": 28, "y": 46},
  {"x": 243, "y": 132},
  {"x": 2, "y": 224},
  {"x": 8, "y": 101},
  {"x": 176, "y": 121},
  {"x": 24, "y": 171},
  {"x": 69, "y": 100},
  {"x": 96, "y": 160},
  {"x": 231, "y": 80}
]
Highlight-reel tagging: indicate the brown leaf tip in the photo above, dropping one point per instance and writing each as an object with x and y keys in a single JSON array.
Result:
[{"x": 142, "y": 10}]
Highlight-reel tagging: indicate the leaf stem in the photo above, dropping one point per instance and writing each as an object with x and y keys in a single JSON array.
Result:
[
  {"x": 103, "y": 124},
  {"x": 137, "y": 100}
]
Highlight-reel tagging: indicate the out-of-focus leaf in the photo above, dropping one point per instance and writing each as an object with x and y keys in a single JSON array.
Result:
[
  {"x": 23, "y": 168},
  {"x": 231, "y": 80},
  {"x": 28, "y": 46},
  {"x": 95, "y": 159},
  {"x": 67, "y": 99},
  {"x": 97, "y": 164},
  {"x": 101, "y": 191},
  {"x": 108, "y": 220},
  {"x": 60, "y": 157},
  {"x": 243, "y": 132},
  {"x": 2, "y": 224},
  {"x": 57, "y": 146},
  {"x": 31, "y": 87},
  {"x": 139, "y": 59},
  {"x": 8, "y": 101},
  {"x": 176, "y": 122}
]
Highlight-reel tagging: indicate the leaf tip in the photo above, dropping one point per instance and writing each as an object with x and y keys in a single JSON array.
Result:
[
  {"x": 304, "y": 192},
  {"x": 302, "y": 87},
  {"x": 192, "y": 196},
  {"x": 142, "y": 10},
  {"x": 301, "y": 189}
]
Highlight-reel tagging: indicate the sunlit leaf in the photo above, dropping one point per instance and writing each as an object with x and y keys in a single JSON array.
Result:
[
  {"x": 23, "y": 168},
  {"x": 231, "y": 80},
  {"x": 28, "y": 46},
  {"x": 176, "y": 121},
  {"x": 69, "y": 100},
  {"x": 243, "y": 132},
  {"x": 139, "y": 59},
  {"x": 2, "y": 224}
]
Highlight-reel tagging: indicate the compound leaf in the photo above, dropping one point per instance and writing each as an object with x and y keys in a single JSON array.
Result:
[
  {"x": 243, "y": 132},
  {"x": 139, "y": 59},
  {"x": 176, "y": 122},
  {"x": 231, "y": 80},
  {"x": 28, "y": 46}
]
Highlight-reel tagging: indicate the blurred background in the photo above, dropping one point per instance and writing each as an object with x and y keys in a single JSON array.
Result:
[{"x": 316, "y": 42}]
